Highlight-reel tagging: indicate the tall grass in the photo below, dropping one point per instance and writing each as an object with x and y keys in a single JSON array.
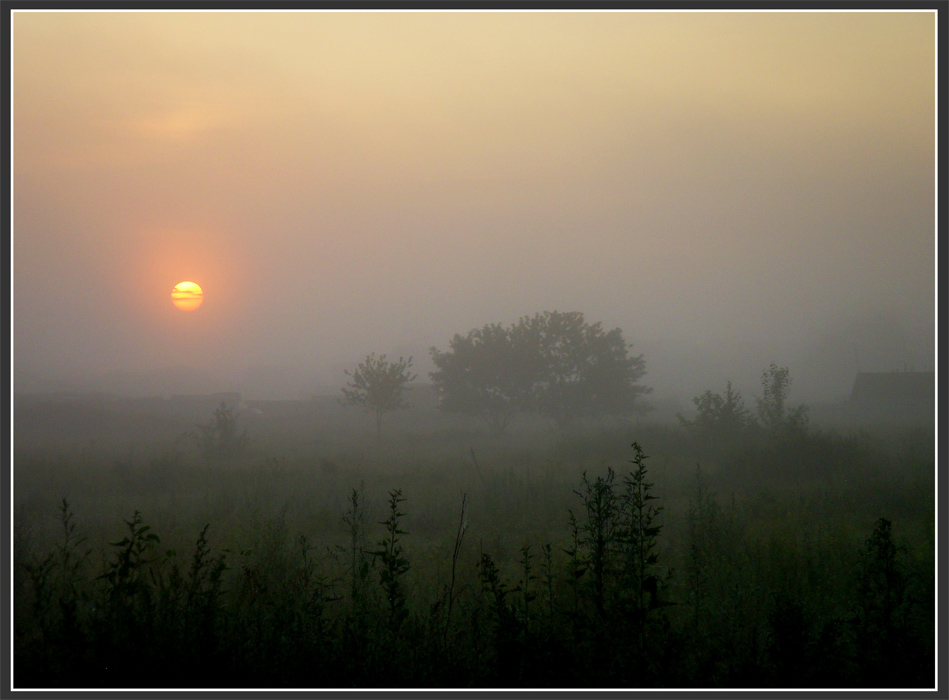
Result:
[{"x": 758, "y": 567}]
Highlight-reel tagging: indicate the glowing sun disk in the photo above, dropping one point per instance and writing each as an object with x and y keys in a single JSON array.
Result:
[{"x": 187, "y": 296}]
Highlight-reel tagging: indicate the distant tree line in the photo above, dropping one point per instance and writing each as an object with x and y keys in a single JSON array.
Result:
[
  {"x": 559, "y": 366},
  {"x": 553, "y": 364},
  {"x": 724, "y": 417}
]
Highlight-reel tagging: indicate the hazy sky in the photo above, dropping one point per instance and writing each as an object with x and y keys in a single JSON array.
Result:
[{"x": 730, "y": 189}]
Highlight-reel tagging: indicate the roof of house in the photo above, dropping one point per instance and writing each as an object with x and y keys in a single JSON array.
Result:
[{"x": 894, "y": 387}]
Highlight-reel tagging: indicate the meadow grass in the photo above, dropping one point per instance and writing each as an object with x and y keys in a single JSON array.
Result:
[{"x": 760, "y": 546}]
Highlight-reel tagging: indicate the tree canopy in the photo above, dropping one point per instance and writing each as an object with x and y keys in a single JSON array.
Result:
[
  {"x": 554, "y": 364},
  {"x": 584, "y": 371},
  {"x": 488, "y": 373}
]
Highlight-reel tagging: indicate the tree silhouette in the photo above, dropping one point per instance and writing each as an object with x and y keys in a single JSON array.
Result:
[
  {"x": 775, "y": 416},
  {"x": 488, "y": 373},
  {"x": 377, "y": 386},
  {"x": 718, "y": 415},
  {"x": 555, "y": 364},
  {"x": 219, "y": 438}
]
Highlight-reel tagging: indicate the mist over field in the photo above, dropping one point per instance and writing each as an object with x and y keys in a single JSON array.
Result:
[
  {"x": 729, "y": 189},
  {"x": 474, "y": 349}
]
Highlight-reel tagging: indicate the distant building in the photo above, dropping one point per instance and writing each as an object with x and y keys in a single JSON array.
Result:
[{"x": 897, "y": 395}]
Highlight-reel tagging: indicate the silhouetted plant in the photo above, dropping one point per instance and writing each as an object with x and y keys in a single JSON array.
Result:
[
  {"x": 576, "y": 565},
  {"x": 358, "y": 563},
  {"x": 527, "y": 578},
  {"x": 706, "y": 533},
  {"x": 393, "y": 562},
  {"x": 490, "y": 579},
  {"x": 312, "y": 593},
  {"x": 548, "y": 578},
  {"x": 71, "y": 562},
  {"x": 885, "y": 611},
  {"x": 638, "y": 534},
  {"x": 504, "y": 621},
  {"x": 204, "y": 588},
  {"x": 598, "y": 533},
  {"x": 40, "y": 571},
  {"x": 882, "y": 579},
  {"x": 56, "y": 577},
  {"x": 456, "y": 549},
  {"x": 642, "y": 582},
  {"x": 126, "y": 574},
  {"x": 128, "y": 623}
]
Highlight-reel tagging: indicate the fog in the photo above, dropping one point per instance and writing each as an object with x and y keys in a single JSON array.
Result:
[{"x": 730, "y": 189}]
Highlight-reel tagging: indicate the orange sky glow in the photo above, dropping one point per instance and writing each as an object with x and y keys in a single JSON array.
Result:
[{"x": 729, "y": 188}]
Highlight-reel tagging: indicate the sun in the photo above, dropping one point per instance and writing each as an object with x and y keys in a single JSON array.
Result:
[{"x": 187, "y": 296}]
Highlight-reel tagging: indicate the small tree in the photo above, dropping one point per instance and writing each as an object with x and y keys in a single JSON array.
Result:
[
  {"x": 772, "y": 410},
  {"x": 377, "y": 386},
  {"x": 882, "y": 582},
  {"x": 888, "y": 612},
  {"x": 723, "y": 416},
  {"x": 219, "y": 438}
]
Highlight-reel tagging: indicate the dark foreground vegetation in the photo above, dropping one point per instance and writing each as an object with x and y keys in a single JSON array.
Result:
[{"x": 445, "y": 557}]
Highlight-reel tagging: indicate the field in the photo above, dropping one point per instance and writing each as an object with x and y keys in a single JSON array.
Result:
[{"x": 444, "y": 556}]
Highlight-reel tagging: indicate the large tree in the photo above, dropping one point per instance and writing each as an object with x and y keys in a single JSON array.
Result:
[
  {"x": 553, "y": 363},
  {"x": 488, "y": 373},
  {"x": 377, "y": 386},
  {"x": 585, "y": 371}
]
